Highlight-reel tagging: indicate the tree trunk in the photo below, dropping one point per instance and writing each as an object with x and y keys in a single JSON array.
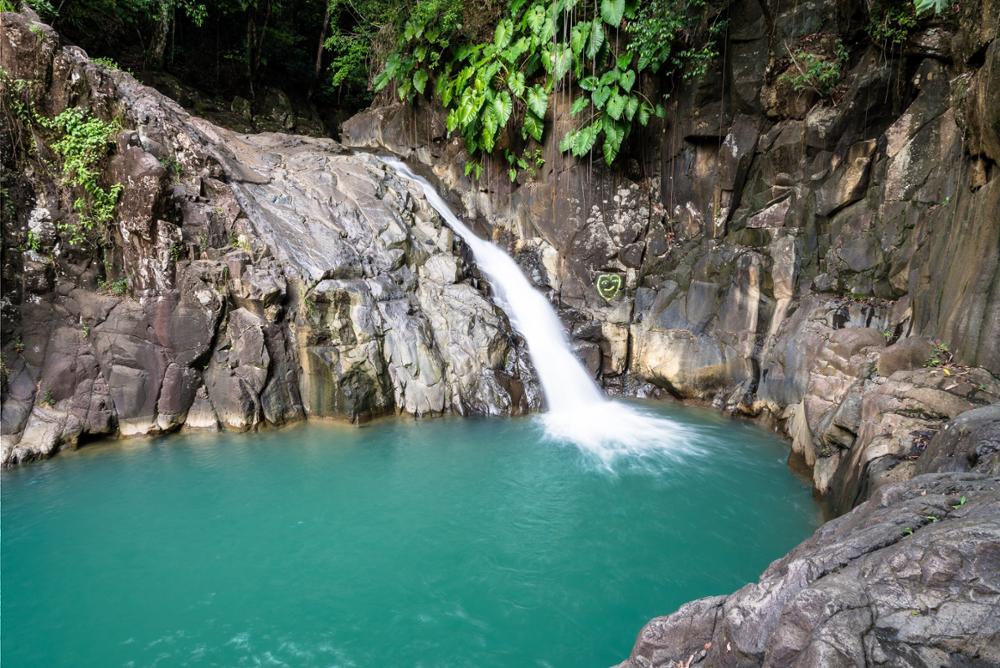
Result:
[
  {"x": 319, "y": 51},
  {"x": 158, "y": 45}
]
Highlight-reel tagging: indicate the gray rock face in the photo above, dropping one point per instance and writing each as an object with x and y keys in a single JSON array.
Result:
[
  {"x": 828, "y": 265},
  {"x": 910, "y": 577},
  {"x": 787, "y": 256},
  {"x": 262, "y": 279}
]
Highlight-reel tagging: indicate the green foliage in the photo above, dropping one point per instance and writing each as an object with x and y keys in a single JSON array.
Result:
[
  {"x": 528, "y": 162},
  {"x": 538, "y": 46},
  {"x": 961, "y": 502},
  {"x": 940, "y": 356},
  {"x": 118, "y": 287},
  {"x": 173, "y": 166},
  {"x": 107, "y": 63},
  {"x": 34, "y": 242},
  {"x": 923, "y": 6},
  {"x": 48, "y": 399},
  {"x": 83, "y": 142},
  {"x": 891, "y": 21},
  {"x": 423, "y": 42},
  {"x": 8, "y": 6},
  {"x": 44, "y": 8},
  {"x": 817, "y": 72},
  {"x": 659, "y": 36}
]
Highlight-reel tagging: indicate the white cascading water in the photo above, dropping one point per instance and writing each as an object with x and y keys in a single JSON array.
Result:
[{"x": 577, "y": 409}]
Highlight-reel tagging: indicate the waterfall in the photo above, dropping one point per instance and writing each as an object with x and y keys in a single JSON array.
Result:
[{"x": 578, "y": 411}]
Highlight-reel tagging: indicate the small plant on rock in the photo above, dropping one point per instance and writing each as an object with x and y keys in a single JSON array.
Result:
[
  {"x": 119, "y": 287},
  {"x": 84, "y": 141},
  {"x": 816, "y": 72},
  {"x": 940, "y": 356},
  {"x": 107, "y": 63},
  {"x": 34, "y": 242},
  {"x": 173, "y": 166}
]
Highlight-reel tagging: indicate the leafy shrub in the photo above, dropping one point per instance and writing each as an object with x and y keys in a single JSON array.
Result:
[
  {"x": 892, "y": 21},
  {"x": 425, "y": 38},
  {"x": 817, "y": 72},
  {"x": 537, "y": 46},
  {"x": 82, "y": 144},
  {"x": 940, "y": 356},
  {"x": 107, "y": 63}
]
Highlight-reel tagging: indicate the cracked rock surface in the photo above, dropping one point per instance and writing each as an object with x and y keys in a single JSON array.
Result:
[{"x": 246, "y": 281}]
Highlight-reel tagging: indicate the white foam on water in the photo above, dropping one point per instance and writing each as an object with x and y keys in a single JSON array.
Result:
[{"x": 578, "y": 412}]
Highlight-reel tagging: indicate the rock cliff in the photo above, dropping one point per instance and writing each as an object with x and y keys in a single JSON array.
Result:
[
  {"x": 829, "y": 264},
  {"x": 247, "y": 280}
]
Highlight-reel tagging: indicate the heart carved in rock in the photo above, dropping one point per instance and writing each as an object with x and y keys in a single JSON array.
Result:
[{"x": 609, "y": 285}]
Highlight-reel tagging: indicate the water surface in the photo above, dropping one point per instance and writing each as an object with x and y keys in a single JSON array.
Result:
[{"x": 443, "y": 542}]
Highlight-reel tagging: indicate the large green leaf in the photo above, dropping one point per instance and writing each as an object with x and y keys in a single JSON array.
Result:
[
  {"x": 584, "y": 140},
  {"x": 616, "y": 106},
  {"x": 631, "y": 107},
  {"x": 614, "y": 134},
  {"x": 533, "y": 127},
  {"x": 502, "y": 107},
  {"x": 579, "y": 105},
  {"x": 516, "y": 50},
  {"x": 926, "y": 5},
  {"x": 563, "y": 60},
  {"x": 609, "y": 77},
  {"x": 566, "y": 143},
  {"x": 627, "y": 79},
  {"x": 588, "y": 83},
  {"x": 502, "y": 34},
  {"x": 612, "y": 11},
  {"x": 578, "y": 38},
  {"x": 596, "y": 39},
  {"x": 516, "y": 83},
  {"x": 645, "y": 110},
  {"x": 600, "y": 96},
  {"x": 490, "y": 127},
  {"x": 387, "y": 74},
  {"x": 537, "y": 100},
  {"x": 534, "y": 19}
]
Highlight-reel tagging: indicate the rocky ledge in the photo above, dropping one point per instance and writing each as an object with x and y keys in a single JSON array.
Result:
[
  {"x": 910, "y": 577},
  {"x": 247, "y": 280}
]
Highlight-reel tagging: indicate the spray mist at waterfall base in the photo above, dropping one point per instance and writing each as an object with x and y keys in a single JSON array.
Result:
[
  {"x": 578, "y": 412},
  {"x": 610, "y": 431}
]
